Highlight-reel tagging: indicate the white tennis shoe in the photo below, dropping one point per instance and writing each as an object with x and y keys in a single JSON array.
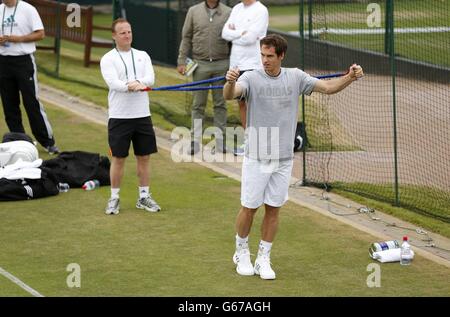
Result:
[
  {"x": 112, "y": 208},
  {"x": 243, "y": 263},
  {"x": 263, "y": 268},
  {"x": 148, "y": 203}
]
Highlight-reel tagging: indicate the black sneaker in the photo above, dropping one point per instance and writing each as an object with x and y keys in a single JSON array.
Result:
[{"x": 52, "y": 149}]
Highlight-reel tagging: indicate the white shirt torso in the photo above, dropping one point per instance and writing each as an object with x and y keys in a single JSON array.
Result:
[
  {"x": 117, "y": 72},
  {"x": 272, "y": 111},
  {"x": 245, "y": 51},
  {"x": 25, "y": 21}
]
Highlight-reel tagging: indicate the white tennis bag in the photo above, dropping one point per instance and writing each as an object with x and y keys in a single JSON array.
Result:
[{"x": 11, "y": 152}]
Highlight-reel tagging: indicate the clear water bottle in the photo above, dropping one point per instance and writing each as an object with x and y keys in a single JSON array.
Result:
[
  {"x": 63, "y": 187},
  {"x": 90, "y": 185},
  {"x": 405, "y": 252}
]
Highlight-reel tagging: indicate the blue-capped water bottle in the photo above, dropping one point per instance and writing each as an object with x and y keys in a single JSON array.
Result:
[{"x": 90, "y": 185}]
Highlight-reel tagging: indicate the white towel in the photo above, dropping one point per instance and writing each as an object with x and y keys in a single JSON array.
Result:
[
  {"x": 21, "y": 169},
  {"x": 12, "y": 152},
  {"x": 390, "y": 255}
]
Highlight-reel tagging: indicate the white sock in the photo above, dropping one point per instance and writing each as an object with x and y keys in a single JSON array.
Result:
[
  {"x": 265, "y": 247},
  {"x": 115, "y": 192},
  {"x": 143, "y": 191},
  {"x": 241, "y": 242}
]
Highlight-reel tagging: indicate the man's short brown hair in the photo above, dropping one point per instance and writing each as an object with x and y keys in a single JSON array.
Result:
[
  {"x": 276, "y": 41},
  {"x": 117, "y": 21}
]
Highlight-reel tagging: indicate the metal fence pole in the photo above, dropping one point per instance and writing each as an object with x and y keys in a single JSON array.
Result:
[
  {"x": 390, "y": 21},
  {"x": 58, "y": 38},
  {"x": 113, "y": 10},
  {"x": 118, "y": 9},
  {"x": 302, "y": 66},
  {"x": 388, "y": 28},
  {"x": 168, "y": 17},
  {"x": 310, "y": 4}
]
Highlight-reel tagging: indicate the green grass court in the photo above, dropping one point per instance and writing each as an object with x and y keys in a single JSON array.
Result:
[{"x": 186, "y": 249}]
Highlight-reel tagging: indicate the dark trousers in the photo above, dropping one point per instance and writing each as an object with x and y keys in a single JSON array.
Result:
[
  {"x": 207, "y": 70},
  {"x": 18, "y": 75}
]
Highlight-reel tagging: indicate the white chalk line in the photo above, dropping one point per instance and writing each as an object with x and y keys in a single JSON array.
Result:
[{"x": 18, "y": 282}]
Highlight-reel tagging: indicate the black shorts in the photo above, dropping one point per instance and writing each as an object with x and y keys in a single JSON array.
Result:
[{"x": 121, "y": 132}]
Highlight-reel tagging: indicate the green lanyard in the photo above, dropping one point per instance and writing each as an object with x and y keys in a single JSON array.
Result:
[
  {"x": 126, "y": 69},
  {"x": 12, "y": 22}
]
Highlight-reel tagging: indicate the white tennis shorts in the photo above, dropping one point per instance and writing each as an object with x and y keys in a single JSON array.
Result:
[{"x": 265, "y": 182}]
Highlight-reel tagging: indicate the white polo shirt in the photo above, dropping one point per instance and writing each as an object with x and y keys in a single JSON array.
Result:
[
  {"x": 117, "y": 70},
  {"x": 24, "y": 21}
]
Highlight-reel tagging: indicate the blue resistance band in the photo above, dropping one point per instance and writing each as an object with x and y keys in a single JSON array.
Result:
[
  {"x": 189, "y": 86},
  {"x": 195, "y": 83}
]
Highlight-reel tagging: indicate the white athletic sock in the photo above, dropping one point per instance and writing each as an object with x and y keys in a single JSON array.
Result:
[
  {"x": 143, "y": 191},
  {"x": 241, "y": 242},
  {"x": 264, "y": 247},
  {"x": 115, "y": 192}
]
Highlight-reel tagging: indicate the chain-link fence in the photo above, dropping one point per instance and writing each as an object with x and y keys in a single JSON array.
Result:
[{"x": 385, "y": 136}]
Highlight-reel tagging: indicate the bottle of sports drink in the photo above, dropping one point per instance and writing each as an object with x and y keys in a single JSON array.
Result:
[{"x": 90, "y": 185}]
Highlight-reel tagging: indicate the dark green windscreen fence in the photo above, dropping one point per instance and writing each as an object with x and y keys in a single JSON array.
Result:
[
  {"x": 88, "y": 2},
  {"x": 386, "y": 136},
  {"x": 156, "y": 26}
]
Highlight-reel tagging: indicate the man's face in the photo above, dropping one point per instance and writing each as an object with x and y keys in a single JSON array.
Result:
[
  {"x": 122, "y": 34},
  {"x": 269, "y": 58}
]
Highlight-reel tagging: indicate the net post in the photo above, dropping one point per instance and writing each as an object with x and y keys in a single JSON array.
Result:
[
  {"x": 58, "y": 37},
  {"x": 390, "y": 15},
  {"x": 310, "y": 4},
  {"x": 387, "y": 27},
  {"x": 302, "y": 66}
]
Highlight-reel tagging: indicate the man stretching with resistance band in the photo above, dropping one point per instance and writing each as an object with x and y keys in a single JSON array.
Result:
[
  {"x": 272, "y": 109},
  {"x": 128, "y": 72}
]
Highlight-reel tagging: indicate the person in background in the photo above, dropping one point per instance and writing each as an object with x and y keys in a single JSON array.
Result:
[
  {"x": 247, "y": 24},
  {"x": 201, "y": 37},
  {"x": 21, "y": 27},
  {"x": 127, "y": 72}
]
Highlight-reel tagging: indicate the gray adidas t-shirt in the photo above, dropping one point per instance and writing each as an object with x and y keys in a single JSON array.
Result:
[{"x": 272, "y": 110}]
